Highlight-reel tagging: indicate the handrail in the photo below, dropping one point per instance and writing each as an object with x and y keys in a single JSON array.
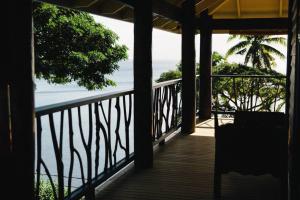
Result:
[
  {"x": 44, "y": 110},
  {"x": 248, "y": 92},
  {"x": 166, "y": 83},
  {"x": 248, "y": 76}
]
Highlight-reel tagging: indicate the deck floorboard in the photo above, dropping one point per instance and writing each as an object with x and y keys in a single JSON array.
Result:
[{"x": 183, "y": 170}]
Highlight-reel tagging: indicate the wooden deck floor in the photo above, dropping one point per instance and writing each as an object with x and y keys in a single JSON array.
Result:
[{"x": 183, "y": 170}]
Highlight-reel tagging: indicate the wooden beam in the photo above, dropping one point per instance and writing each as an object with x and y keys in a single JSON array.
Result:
[
  {"x": 17, "y": 162},
  {"x": 280, "y": 8},
  {"x": 160, "y": 7},
  {"x": 238, "y": 8},
  {"x": 294, "y": 100},
  {"x": 203, "y": 5},
  {"x": 214, "y": 8},
  {"x": 211, "y": 5},
  {"x": 143, "y": 114},
  {"x": 188, "y": 68},
  {"x": 246, "y": 24},
  {"x": 205, "y": 69}
]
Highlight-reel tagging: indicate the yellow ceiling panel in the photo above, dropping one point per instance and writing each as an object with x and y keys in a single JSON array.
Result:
[{"x": 252, "y": 9}]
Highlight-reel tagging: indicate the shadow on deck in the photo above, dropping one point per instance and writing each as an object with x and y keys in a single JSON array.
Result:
[{"x": 184, "y": 170}]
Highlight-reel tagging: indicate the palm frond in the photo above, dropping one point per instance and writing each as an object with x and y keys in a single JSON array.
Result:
[
  {"x": 239, "y": 46},
  {"x": 276, "y": 40},
  {"x": 274, "y": 51},
  {"x": 241, "y": 52}
]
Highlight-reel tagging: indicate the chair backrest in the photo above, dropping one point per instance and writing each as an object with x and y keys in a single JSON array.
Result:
[{"x": 260, "y": 119}]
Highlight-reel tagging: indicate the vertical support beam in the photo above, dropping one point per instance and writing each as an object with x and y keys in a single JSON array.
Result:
[
  {"x": 188, "y": 68},
  {"x": 143, "y": 114},
  {"x": 205, "y": 68},
  {"x": 17, "y": 158},
  {"x": 294, "y": 99}
]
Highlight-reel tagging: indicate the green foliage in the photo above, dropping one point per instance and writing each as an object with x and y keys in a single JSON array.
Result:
[
  {"x": 235, "y": 93},
  {"x": 174, "y": 74},
  {"x": 257, "y": 49},
  {"x": 71, "y": 46},
  {"x": 46, "y": 190},
  {"x": 217, "y": 59},
  {"x": 170, "y": 75}
]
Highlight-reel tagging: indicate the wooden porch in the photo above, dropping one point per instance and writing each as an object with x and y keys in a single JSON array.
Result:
[{"x": 184, "y": 169}]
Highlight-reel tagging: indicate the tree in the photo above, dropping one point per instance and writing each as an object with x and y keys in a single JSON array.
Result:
[
  {"x": 247, "y": 93},
  {"x": 71, "y": 46},
  {"x": 217, "y": 58},
  {"x": 257, "y": 49}
]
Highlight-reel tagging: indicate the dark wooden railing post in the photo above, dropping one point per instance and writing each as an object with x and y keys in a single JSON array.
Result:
[
  {"x": 17, "y": 109},
  {"x": 188, "y": 68},
  {"x": 205, "y": 68},
  {"x": 143, "y": 84}
]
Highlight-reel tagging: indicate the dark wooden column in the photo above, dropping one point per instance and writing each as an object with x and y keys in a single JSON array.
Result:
[
  {"x": 205, "y": 68},
  {"x": 16, "y": 101},
  {"x": 294, "y": 100},
  {"x": 188, "y": 68},
  {"x": 143, "y": 84}
]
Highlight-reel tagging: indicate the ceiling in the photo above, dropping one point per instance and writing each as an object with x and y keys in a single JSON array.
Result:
[{"x": 167, "y": 12}]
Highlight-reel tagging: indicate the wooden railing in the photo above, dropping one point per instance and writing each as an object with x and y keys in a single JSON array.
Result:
[
  {"x": 248, "y": 93},
  {"x": 166, "y": 109},
  {"x": 82, "y": 143}
]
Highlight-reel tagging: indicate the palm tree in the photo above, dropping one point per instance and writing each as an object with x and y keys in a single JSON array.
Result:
[{"x": 257, "y": 49}]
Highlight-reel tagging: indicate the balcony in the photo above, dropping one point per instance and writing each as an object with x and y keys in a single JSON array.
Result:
[{"x": 86, "y": 143}]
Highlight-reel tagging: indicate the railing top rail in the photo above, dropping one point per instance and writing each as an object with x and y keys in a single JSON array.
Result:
[
  {"x": 248, "y": 76},
  {"x": 44, "y": 110},
  {"x": 166, "y": 83}
]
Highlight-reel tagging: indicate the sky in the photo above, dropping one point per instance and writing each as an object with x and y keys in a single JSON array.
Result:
[{"x": 167, "y": 46}]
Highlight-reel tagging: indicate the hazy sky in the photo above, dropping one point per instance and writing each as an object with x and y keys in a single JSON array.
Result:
[{"x": 167, "y": 46}]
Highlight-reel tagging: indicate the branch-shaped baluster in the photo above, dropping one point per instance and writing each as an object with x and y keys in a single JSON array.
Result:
[
  {"x": 97, "y": 118},
  {"x": 39, "y": 156},
  {"x": 71, "y": 141},
  {"x": 80, "y": 165},
  {"x": 174, "y": 106},
  {"x": 118, "y": 139},
  {"x": 59, "y": 162},
  {"x": 168, "y": 101},
  {"x": 161, "y": 112},
  {"x": 155, "y": 114},
  {"x": 50, "y": 180},
  {"x": 107, "y": 133},
  {"x": 164, "y": 116},
  {"x": 61, "y": 137},
  {"x": 127, "y": 119}
]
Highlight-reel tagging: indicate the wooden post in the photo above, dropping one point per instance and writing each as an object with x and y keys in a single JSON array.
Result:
[
  {"x": 294, "y": 100},
  {"x": 205, "y": 68},
  {"x": 188, "y": 68},
  {"x": 17, "y": 107},
  {"x": 143, "y": 114}
]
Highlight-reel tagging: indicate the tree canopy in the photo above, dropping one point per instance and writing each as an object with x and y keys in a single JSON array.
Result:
[
  {"x": 71, "y": 46},
  {"x": 257, "y": 49}
]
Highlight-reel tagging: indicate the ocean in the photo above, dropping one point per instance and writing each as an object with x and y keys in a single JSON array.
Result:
[{"x": 46, "y": 94}]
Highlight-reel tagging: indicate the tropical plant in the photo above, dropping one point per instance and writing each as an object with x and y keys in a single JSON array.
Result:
[
  {"x": 71, "y": 46},
  {"x": 247, "y": 93},
  {"x": 257, "y": 49},
  {"x": 217, "y": 59},
  {"x": 46, "y": 190}
]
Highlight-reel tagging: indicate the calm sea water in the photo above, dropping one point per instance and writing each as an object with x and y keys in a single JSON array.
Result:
[{"x": 46, "y": 93}]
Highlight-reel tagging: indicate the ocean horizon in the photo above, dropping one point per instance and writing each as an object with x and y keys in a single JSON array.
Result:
[{"x": 46, "y": 94}]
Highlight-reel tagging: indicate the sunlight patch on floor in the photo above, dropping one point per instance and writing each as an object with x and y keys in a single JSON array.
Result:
[{"x": 207, "y": 127}]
